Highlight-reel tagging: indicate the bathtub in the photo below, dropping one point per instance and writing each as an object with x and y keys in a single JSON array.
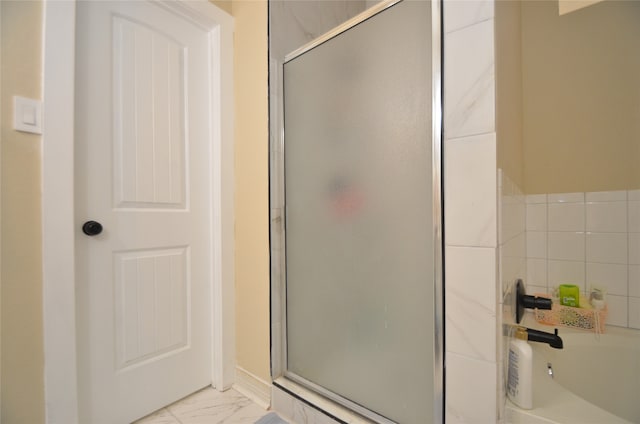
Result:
[{"x": 596, "y": 379}]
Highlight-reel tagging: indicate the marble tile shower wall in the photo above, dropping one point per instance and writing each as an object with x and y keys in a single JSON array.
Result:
[
  {"x": 587, "y": 239},
  {"x": 471, "y": 292}
]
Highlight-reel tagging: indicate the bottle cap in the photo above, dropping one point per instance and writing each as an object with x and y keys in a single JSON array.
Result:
[{"x": 521, "y": 334}]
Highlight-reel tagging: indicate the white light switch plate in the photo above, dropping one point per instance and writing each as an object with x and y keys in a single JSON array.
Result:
[{"x": 27, "y": 115}]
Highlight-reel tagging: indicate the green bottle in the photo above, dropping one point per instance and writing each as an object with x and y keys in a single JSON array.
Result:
[{"x": 569, "y": 295}]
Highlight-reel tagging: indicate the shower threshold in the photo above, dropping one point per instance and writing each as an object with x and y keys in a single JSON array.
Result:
[{"x": 297, "y": 403}]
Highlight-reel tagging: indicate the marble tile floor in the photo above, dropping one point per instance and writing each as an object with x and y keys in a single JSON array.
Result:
[{"x": 208, "y": 406}]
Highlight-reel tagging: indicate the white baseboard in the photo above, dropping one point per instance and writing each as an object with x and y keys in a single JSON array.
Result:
[{"x": 253, "y": 387}]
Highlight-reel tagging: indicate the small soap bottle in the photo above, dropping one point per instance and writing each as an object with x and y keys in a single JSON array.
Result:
[
  {"x": 520, "y": 372},
  {"x": 597, "y": 299}
]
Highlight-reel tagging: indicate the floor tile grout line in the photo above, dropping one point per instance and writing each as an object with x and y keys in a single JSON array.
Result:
[{"x": 173, "y": 415}]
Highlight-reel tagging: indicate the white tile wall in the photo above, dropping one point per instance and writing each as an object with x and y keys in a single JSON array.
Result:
[
  {"x": 565, "y": 198},
  {"x": 470, "y": 193},
  {"x": 469, "y": 86},
  {"x": 536, "y": 199},
  {"x": 618, "y": 310},
  {"x": 470, "y": 330},
  {"x": 610, "y": 248},
  {"x": 634, "y": 280},
  {"x": 537, "y": 244},
  {"x": 565, "y": 246},
  {"x": 512, "y": 241},
  {"x": 536, "y": 216},
  {"x": 565, "y": 272},
  {"x": 470, "y": 196},
  {"x": 472, "y": 279},
  {"x": 537, "y": 273},
  {"x": 533, "y": 289},
  {"x": 613, "y": 277},
  {"x": 588, "y": 239},
  {"x": 463, "y": 13},
  {"x": 633, "y": 270},
  {"x": 634, "y": 312},
  {"x": 633, "y": 195},
  {"x": 512, "y": 210},
  {"x": 606, "y": 196},
  {"x": 634, "y": 248},
  {"x": 471, "y": 390},
  {"x": 633, "y": 214},
  {"x": 607, "y": 217},
  {"x": 566, "y": 216},
  {"x": 513, "y": 262}
]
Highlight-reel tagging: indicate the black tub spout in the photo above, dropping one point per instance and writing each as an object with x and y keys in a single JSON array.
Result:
[{"x": 552, "y": 339}]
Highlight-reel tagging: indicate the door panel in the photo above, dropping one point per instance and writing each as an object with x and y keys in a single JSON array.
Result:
[
  {"x": 143, "y": 170},
  {"x": 150, "y": 98},
  {"x": 152, "y": 291}
]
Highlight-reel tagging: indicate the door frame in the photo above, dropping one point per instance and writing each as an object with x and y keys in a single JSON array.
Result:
[{"x": 58, "y": 220}]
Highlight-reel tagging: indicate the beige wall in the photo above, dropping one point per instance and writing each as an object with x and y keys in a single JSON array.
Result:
[
  {"x": 581, "y": 109},
  {"x": 226, "y": 5},
  {"x": 252, "y": 187},
  {"x": 509, "y": 90},
  {"x": 568, "y": 6},
  {"x": 21, "y": 276}
]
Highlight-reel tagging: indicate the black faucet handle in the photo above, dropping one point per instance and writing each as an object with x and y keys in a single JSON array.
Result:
[
  {"x": 533, "y": 302},
  {"x": 524, "y": 300}
]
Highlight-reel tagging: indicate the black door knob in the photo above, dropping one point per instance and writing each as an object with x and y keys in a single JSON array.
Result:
[{"x": 92, "y": 228}]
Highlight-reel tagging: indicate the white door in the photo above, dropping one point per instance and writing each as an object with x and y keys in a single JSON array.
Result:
[{"x": 143, "y": 170}]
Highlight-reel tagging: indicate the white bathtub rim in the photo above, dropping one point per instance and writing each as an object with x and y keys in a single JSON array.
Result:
[
  {"x": 552, "y": 402},
  {"x": 555, "y": 404}
]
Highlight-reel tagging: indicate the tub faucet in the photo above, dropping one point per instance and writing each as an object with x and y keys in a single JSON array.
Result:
[{"x": 552, "y": 339}]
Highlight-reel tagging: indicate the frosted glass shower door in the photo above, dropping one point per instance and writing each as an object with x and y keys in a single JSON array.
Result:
[{"x": 359, "y": 215}]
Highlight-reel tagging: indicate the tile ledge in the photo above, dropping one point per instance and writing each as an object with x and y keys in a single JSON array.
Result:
[{"x": 326, "y": 406}]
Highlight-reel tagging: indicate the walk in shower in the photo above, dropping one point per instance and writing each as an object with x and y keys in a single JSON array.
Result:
[{"x": 356, "y": 207}]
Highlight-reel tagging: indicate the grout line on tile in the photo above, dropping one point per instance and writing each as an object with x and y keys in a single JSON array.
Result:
[
  {"x": 173, "y": 415},
  {"x": 584, "y": 288},
  {"x": 468, "y": 25}
]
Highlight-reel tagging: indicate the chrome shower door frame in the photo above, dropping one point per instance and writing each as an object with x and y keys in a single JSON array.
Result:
[{"x": 277, "y": 215}]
